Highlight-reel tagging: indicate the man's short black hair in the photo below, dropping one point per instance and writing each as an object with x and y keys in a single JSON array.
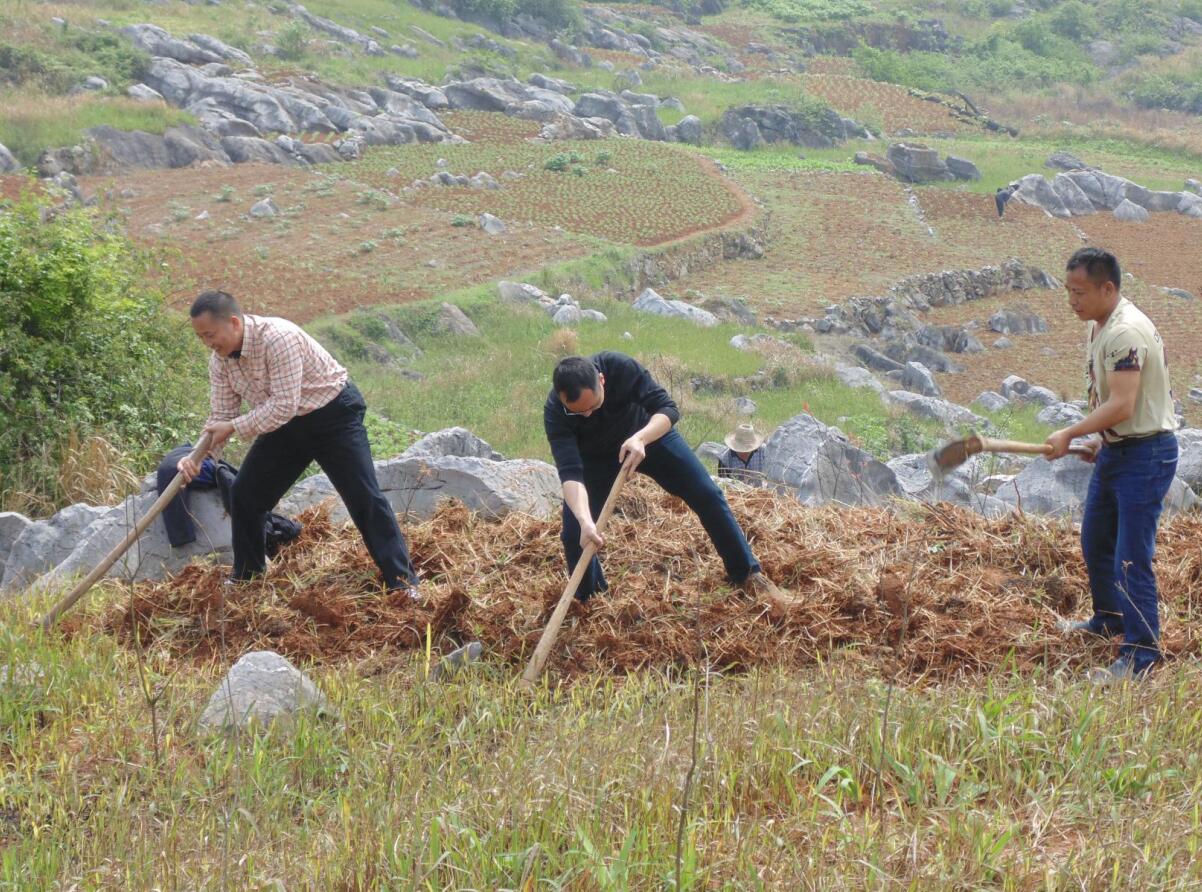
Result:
[
  {"x": 1099, "y": 264},
  {"x": 217, "y": 304},
  {"x": 574, "y": 374}
]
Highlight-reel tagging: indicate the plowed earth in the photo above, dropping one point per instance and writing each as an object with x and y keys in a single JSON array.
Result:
[{"x": 912, "y": 592}]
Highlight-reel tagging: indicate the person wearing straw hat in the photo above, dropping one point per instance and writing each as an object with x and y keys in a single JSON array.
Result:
[
  {"x": 743, "y": 460},
  {"x": 605, "y": 408}
]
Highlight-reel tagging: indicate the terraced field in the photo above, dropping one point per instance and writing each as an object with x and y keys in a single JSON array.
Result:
[{"x": 625, "y": 191}]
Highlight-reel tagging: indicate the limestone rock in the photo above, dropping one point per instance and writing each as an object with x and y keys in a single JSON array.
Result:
[
  {"x": 651, "y": 302},
  {"x": 453, "y": 321},
  {"x": 1129, "y": 212},
  {"x": 821, "y": 465},
  {"x": 260, "y": 689}
]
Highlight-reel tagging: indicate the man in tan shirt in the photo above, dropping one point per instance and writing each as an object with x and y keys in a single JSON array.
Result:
[
  {"x": 303, "y": 408},
  {"x": 1135, "y": 458}
]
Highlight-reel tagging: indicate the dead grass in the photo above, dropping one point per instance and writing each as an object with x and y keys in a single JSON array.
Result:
[{"x": 921, "y": 593}]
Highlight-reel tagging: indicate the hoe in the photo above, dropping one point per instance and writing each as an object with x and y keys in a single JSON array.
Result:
[{"x": 951, "y": 455}]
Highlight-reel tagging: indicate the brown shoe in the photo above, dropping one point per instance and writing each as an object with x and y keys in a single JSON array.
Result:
[{"x": 761, "y": 587}]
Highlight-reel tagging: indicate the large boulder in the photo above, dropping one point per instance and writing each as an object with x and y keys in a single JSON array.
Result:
[
  {"x": 1035, "y": 189},
  {"x": 1189, "y": 461},
  {"x": 43, "y": 544},
  {"x": 1152, "y": 200},
  {"x": 1060, "y": 415},
  {"x": 947, "y": 413},
  {"x": 431, "y": 97},
  {"x": 1130, "y": 212},
  {"x": 855, "y": 376},
  {"x": 151, "y": 556},
  {"x": 1072, "y": 196},
  {"x": 421, "y": 478},
  {"x": 12, "y": 525},
  {"x": 917, "y": 378},
  {"x": 260, "y": 689},
  {"x": 917, "y": 163},
  {"x": 452, "y": 441},
  {"x": 8, "y": 162},
  {"x": 1059, "y": 488},
  {"x": 453, "y": 321},
  {"x": 222, "y": 49},
  {"x": 1065, "y": 161},
  {"x": 874, "y": 359},
  {"x": 155, "y": 41},
  {"x": 821, "y": 465},
  {"x": 687, "y": 130},
  {"x": 956, "y": 487},
  {"x": 1018, "y": 319},
  {"x": 243, "y": 149},
  {"x": 1103, "y": 190},
  {"x": 747, "y": 126},
  {"x": 650, "y": 302},
  {"x": 962, "y": 168}
]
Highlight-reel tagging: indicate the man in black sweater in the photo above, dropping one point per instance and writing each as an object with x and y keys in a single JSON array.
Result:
[{"x": 604, "y": 408}]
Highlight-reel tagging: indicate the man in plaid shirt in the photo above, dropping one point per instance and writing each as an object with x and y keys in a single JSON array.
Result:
[{"x": 303, "y": 408}]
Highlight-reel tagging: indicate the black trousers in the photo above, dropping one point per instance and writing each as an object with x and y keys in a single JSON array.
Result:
[
  {"x": 177, "y": 518},
  {"x": 334, "y": 437}
]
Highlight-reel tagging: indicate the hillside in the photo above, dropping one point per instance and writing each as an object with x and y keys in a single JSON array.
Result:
[{"x": 783, "y": 208}]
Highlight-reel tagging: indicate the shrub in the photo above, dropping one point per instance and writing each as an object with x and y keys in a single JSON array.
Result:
[
  {"x": 292, "y": 41},
  {"x": 85, "y": 349}
]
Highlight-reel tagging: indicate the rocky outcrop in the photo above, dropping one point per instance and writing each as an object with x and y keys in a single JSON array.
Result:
[
  {"x": 821, "y": 465},
  {"x": 1059, "y": 488},
  {"x": 917, "y": 163},
  {"x": 8, "y": 162},
  {"x": 446, "y": 464},
  {"x": 421, "y": 478},
  {"x": 650, "y": 302},
  {"x": 1082, "y": 191},
  {"x": 748, "y": 126},
  {"x": 899, "y": 312}
]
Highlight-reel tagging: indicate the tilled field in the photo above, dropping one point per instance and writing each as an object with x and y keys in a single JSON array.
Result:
[{"x": 910, "y": 592}]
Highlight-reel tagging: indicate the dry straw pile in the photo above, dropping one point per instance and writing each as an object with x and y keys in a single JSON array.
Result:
[{"x": 908, "y": 591}]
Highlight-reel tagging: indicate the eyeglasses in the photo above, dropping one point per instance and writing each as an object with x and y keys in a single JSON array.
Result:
[{"x": 586, "y": 412}]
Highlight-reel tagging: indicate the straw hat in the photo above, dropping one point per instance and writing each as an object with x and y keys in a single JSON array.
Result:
[{"x": 744, "y": 439}]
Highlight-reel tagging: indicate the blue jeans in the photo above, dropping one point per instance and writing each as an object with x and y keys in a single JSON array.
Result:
[
  {"x": 670, "y": 463},
  {"x": 1118, "y": 539}
]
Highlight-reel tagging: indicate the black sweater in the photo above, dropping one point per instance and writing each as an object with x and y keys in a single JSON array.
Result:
[{"x": 632, "y": 396}]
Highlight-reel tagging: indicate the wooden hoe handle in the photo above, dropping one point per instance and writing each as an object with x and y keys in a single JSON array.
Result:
[
  {"x": 539, "y": 659},
  {"x": 1021, "y": 448},
  {"x": 197, "y": 455}
]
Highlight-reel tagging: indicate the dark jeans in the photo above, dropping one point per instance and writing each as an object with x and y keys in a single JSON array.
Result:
[
  {"x": 1118, "y": 539},
  {"x": 334, "y": 437},
  {"x": 670, "y": 463},
  {"x": 177, "y": 520}
]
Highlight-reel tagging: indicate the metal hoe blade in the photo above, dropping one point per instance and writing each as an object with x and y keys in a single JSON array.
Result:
[{"x": 950, "y": 456}]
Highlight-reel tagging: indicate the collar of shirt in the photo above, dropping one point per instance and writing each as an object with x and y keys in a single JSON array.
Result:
[{"x": 252, "y": 339}]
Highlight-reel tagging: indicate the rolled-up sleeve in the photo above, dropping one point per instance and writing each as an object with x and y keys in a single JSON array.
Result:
[{"x": 285, "y": 375}]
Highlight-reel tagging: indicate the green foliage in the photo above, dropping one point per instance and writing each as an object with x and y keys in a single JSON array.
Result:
[
  {"x": 84, "y": 347},
  {"x": 991, "y": 63},
  {"x": 557, "y": 13},
  {"x": 462, "y": 220},
  {"x": 74, "y": 56},
  {"x": 29, "y": 122},
  {"x": 292, "y": 41},
  {"x": 1161, "y": 91},
  {"x": 793, "y": 11}
]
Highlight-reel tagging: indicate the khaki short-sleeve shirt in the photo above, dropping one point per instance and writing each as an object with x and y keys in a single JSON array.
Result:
[{"x": 1128, "y": 341}]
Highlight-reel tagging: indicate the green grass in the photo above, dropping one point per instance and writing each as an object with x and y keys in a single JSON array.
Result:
[
  {"x": 819, "y": 779},
  {"x": 495, "y": 385},
  {"x": 1004, "y": 160},
  {"x": 31, "y": 123}
]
